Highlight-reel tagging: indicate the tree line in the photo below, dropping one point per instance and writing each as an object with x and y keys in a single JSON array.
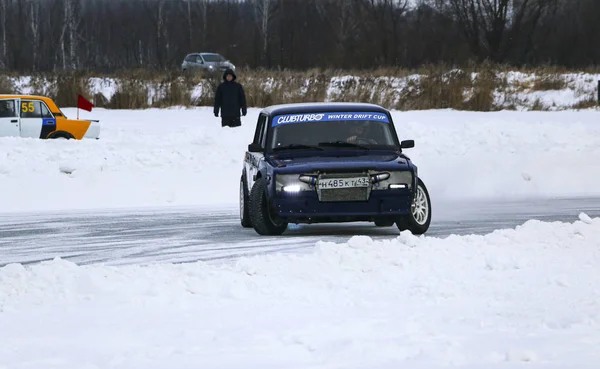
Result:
[{"x": 111, "y": 35}]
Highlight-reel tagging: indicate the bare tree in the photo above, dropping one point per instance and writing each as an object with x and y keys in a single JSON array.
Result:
[
  {"x": 190, "y": 23},
  {"x": 265, "y": 11},
  {"x": 492, "y": 27},
  {"x": 68, "y": 36},
  {"x": 109, "y": 35},
  {"x": 3, "y": 60},
  {"x": 34, "y": 28},
  {"x": 342, "y": 22}
]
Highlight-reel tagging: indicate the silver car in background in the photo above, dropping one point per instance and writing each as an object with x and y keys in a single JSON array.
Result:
[{"x": 207, "y": 62}]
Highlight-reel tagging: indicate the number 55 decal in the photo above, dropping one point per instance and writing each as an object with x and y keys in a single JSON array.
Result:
[{"x": 27, "y": 107}]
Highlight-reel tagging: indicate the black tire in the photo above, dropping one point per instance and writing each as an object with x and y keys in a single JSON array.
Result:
[
  {"x": 260, "y": 216},
  {"x": 384, "y": 223},
  {"x": 417, "y": 222},
  {"x": 244, "y": 210},
  {"x": 60, "y": 134}
]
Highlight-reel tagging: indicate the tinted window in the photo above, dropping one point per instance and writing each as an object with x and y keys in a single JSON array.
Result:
[
  {"x": 319, "y": 129},
  {"x": 34, "y": 109},
  {"x": 7, "y": 109},
  {"x": 213, "y": 57},
  {"x": 31, "y": 109},
  {"x": 260, "y": 129},
  {"x": 45, "y": 111}
]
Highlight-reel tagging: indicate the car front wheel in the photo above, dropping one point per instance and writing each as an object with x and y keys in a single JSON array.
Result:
[
  {"x": 264, "y": 222},
  {"x": 417, "y": 222},
  {"x": 244, "y": 211}
]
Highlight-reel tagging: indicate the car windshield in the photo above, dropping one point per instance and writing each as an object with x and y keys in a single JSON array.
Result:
[
  {"x": 212, "y": 57},
  {"x": 363, "y": 130}
]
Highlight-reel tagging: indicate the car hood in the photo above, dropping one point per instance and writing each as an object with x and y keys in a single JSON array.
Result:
[
  {"x": 378, "y": 162},
  {"x": 226, "y": 63}
]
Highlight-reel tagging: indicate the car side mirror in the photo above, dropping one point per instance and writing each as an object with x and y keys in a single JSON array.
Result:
[
  {"x": 254, "y": 147},
  {"x": 407, "y": 144}
]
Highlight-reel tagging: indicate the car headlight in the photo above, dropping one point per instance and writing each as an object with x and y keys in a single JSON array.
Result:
[
  {"x": 290, "y": 183},
  {"x": 396, "y": 181}
]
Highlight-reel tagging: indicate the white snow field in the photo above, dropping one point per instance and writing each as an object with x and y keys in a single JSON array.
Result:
[
  {"x": 523, "y": 298},
  {"x": 527, "y": 297},
  {"x": 182, "y": 157}
]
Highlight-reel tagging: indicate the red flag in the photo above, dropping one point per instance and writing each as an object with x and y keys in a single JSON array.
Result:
[{"x": 82, "y": 103}]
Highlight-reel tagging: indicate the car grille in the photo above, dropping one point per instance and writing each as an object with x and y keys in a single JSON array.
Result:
[{"x": 343, "y": 194}]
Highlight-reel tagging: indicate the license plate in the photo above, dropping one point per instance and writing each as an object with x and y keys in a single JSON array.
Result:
[{"x": 343, "y": 182}]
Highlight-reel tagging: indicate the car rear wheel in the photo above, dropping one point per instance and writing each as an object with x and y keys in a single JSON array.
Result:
[
  {"x": 417, "y": 222},
  {"x": 264, "y": 222},
  {"x": 60, "y": 135},
  {"x": 244, "y": 211}
]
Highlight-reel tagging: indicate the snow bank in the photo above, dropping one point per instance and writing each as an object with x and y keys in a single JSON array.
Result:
[
  {"x": 525, "y": 296},
  {"x": 514, "y": 90},
  {"x": 520, "y": 93},
  {"x": 182, "y": 157}
]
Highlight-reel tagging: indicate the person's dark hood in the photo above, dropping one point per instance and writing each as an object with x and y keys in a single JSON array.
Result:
[{"x": 229, "y": 71}]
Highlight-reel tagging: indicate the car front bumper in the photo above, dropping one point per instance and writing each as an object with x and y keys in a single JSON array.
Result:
[{"x": 305, "y": 207}]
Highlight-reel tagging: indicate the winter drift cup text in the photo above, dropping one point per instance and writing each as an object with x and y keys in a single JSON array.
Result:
[{"x": 328, "y": 117}]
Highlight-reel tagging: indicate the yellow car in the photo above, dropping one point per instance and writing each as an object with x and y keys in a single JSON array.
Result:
[{"x": 39, "y": 117}]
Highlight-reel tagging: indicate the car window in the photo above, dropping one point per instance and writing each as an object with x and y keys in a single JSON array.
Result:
[
  {"x": 316, "y": 129},
  {"x": 7, "y": 109},
  {"x": 45, "y": 111},
  {"x": 213, "y": 58},
  {"x": 31, "y": 109},
  {"x": 35, "y": 109},
  {"x": 260, "y": 129}
]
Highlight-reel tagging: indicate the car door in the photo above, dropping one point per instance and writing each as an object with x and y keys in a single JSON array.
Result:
[
  {"x": 36, "y": 119},
  {"x": 9, "y": 118}
]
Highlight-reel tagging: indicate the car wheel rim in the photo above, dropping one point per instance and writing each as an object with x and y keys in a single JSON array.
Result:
[{"x": 420, "y": 207}]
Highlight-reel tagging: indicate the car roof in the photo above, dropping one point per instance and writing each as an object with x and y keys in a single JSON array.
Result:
[
  {"x": 203, "y": 53},
  {"x": 315, "y": 107},
  {"x": 46, "y": 99},
  {"x": 51, "y": 104},
  {"x": 21, "y": 96}
]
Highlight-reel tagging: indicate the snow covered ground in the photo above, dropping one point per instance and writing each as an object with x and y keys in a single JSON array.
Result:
[
  {"x": 528, "y": 297},
  {"x": 181, "y": 157}
]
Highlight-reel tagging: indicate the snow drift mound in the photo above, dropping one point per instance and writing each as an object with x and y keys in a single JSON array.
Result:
[{"x": 531, "y": 294}]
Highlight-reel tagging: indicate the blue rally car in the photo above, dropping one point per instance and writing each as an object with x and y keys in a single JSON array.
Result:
[{"x": 330, "y": 162}]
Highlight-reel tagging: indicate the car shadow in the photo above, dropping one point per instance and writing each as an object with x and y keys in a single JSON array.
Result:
[{"x": 364, "y": 229}]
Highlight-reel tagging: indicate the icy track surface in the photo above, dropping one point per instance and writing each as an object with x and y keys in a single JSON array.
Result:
[
  {"x": 182, "y": 157},
  {"x": 528, "y": 297}
]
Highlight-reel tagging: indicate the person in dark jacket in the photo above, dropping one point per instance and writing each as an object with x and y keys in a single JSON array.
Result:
[{"x": 230, "y": 98}]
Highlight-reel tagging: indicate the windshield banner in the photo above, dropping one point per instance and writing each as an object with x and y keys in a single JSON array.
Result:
[{"x": 328, "y": 117}]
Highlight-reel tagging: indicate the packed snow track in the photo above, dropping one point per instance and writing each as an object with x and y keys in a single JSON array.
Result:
[
  {"x": 530, "y": 296},
  {"x": 191, "y": 234}
]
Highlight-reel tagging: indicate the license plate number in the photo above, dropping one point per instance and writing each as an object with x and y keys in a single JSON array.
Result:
[{"x": 343, "y": 182}]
